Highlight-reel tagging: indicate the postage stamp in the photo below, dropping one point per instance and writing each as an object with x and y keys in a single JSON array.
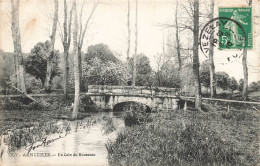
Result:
[
  {"x": 235, "y": 36},
  {"x": 215, "y": 34}
]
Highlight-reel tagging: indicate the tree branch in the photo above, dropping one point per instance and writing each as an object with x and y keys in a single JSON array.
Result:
[{"x": 86, "y": 25}]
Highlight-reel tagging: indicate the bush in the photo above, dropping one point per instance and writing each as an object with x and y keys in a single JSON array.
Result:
[
  {"x": 10, "y": 104},
  {"x": 169, "y": 141},
  {"x": 87, "y": 105},
  {"x": 136, "y": 115},
  {"x": 203, "y": 146},
  {"x": 33, "y": 85},
  {"x": 36, "y": 106}
]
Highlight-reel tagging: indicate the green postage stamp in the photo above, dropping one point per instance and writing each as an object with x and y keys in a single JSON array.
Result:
[{"x": 237, "y": 30}]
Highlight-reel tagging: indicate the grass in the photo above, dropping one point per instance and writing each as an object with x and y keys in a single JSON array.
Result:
[
  {"x": 17, "y": 115},
  {"x": 24, "y": 122},
  {"x": 108, "y": 125},
  {"x": 216, "y": 137},
  {"x": 252, "y": 96}
]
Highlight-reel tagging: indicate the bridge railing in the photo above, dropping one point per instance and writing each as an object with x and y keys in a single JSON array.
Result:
[{"x": 129, "y": 90}]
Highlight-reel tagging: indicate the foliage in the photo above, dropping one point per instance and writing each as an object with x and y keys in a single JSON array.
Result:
[
  {"x": 32, "y": 84},
  {"x": 169, "y": 141},
  {"x": 108, "y": 125},
  {"x": 232, "y": 84},
  {"x": 10, "y": 104},
  {"x": 36, "y": 62},
  {"x": 189, "y": 138},
  {"x": 240, "y": 84},
  {"x": 143, "y": 69},
  {"x": 36, "y": 106},
  {"x": 99, "y": 73},
  {"x": 87, "y": 105},
  {"x": 102, "y": 52},
  {"x": 222, "y": 80},
  {"x": 205, "y": 74},
  {"x": 167, "y": 72},
  {"x": 6, "y": 71},
  {"x": 101, "y": 67},
  {"x": 170, "y": 75},
  {"x": 254, "y": 86},
  {"x": 137, "y": 114},
  {"x": 187, "y": 79}
]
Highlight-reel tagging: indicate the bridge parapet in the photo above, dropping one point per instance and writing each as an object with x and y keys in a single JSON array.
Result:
[{"x": 129, "y": 90}]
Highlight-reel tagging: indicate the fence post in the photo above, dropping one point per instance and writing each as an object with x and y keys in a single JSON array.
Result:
[{"x": 185, "y": 105}]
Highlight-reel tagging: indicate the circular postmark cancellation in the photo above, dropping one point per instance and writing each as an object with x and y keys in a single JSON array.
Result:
[{"x": 223, "y": 33}]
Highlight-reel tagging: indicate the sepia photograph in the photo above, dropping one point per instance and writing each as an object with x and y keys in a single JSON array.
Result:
[{"x": 129, "y": 82}]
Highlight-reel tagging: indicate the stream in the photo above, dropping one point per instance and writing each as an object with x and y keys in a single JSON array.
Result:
[{"x": 80, "y": 142}]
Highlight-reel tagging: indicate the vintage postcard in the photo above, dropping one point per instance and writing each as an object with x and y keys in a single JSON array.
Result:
[{"x": 129, "y": 82}]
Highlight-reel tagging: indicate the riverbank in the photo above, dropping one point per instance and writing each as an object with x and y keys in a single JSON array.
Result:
[
  {"x": 18, "y": 113},
  {"x": 216, "y": 137}
]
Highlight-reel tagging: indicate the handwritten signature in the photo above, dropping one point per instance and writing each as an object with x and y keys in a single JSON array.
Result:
[{"x": 44, "y": 141}]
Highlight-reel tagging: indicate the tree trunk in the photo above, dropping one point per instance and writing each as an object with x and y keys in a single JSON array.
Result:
[
  {"x": 66, "y": 72},
  {"x": 178, "y": 40},
  {"x": 211, "y": 58},
  {"x": 158, "y": 78},
  {"x": 17, "y": 75},
  {"x": 80, "y": 38},
  {"x": 76, "y": 64},
  {"x": 66, "y": 45},
  {"x": 136, "y": 33},
  {"x": 17, "y": 45},
  {"x": 178, "y": 43},
  {"x": 43, "y": 83},
  {"x": 51, "y": 51},
  {"x": 245, "y": 69},
  {"x": 81, "y": 35},
  {"x": 196, "y": 55},
  {"x": 13, "y": 28},
  {"x": 81, "y": 82},
  {"x": 128, "y": 37},
  {"x": 80, "y": 69}
]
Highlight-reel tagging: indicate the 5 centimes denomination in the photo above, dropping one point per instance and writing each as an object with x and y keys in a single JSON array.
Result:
[
  {"x": 242, "y": 16},
  {"x": 216, "y": 34}
]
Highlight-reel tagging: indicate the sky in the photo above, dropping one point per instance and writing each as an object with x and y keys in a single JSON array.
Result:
[{"x": 108, "y": 25}]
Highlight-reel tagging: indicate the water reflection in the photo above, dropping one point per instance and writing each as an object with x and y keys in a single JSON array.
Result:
[{"x": 83, "y": 144}]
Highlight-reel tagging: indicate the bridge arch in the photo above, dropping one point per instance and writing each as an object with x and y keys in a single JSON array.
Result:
[
  {"x": 106, "y": 97},
  {"x": 128, "y": 104}
]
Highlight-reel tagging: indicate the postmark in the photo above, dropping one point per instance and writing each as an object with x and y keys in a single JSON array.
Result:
[
  {"x": 216, "y": 34},
  {"x": 243, "y": 16}
]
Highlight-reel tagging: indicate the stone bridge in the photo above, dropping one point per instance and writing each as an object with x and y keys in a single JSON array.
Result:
[{"x": 107, "y": 97}]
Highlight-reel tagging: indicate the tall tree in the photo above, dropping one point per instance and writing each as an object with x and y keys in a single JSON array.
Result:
[
  {"x": 129, "y": 35},
  {"x": 211, "y": 57},
  {"x": 81, "y": 35},
  {"x": 222, "y": 80},
  {"x": 17, "y": 45},
  {"x": 232, "y": 85},
  {"x": 76, "y": 63},
  {"x": 136, "y": 35},
  {"x": 51, "y": 51},
  {"x": 196, "y": 55},
  {"x": 66, "y": 39},
  {"x": 178, "y": 39},
  {"x": 36, "y": 63},
  {"x": 13, "y": 27},
  {"x": 143, "y": 69},
  {"x": 240, "y": 84},
  {"x": 245, "y": 69}
]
